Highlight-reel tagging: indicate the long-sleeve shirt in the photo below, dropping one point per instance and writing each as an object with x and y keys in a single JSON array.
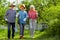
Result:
[
  {"x": 23, "y": 16},
  {"x": 11, "y": 15},
  {"x": 32, "y": 14}
]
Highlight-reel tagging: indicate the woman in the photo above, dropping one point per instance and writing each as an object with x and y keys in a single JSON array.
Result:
[
  {"x": 32, "y": 14},
  {"x": 22, "y": 19}
]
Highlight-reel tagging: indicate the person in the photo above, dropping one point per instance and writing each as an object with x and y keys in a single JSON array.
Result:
[
  {"x": 32, "y": 14},
  {"x": 22, "y": 19},
  {"x": 10, "y": 17}
]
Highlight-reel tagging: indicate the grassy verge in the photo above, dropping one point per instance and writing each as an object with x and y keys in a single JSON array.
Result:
[{"x": 37, "y": 36}]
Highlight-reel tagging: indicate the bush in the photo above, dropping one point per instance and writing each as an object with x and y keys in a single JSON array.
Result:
[{"x": 52, "y": 15}]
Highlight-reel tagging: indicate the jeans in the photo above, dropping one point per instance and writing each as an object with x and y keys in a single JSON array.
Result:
[
  {"x": 22, "y": 29},
  {"x": 13, "y": 29},
  {"x": 32, "y": 26}
]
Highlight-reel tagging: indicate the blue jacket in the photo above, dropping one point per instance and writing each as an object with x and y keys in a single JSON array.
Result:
[{"x": 22, "y": 15}]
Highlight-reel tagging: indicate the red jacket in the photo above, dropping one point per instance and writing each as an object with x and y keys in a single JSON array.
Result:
[{"x": 32, "y": 14}]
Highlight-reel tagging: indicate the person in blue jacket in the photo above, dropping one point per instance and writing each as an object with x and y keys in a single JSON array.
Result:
[{"x": 22, "y": 19}]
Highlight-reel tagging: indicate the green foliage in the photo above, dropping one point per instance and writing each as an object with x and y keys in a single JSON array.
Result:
[
  {"x": 2, "y": 12},
  {"x": 52, "y": 15}
]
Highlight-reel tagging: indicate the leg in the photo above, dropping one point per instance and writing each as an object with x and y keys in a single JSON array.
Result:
[
  {"x": 34, "y": 27},
  {"x": 31, "y": 27},
  {"x": 13, "y": 29},
  {"x": 9, "y": 30},
  {"x": 21, "y": 30}
]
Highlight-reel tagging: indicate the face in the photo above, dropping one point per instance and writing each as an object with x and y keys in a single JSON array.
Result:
[
  {"x": 22, "y": 8},
  {"x": 31, "y": 8},
  {"x": 11, "y": 7}
]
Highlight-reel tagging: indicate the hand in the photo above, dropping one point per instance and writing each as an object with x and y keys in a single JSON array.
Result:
[
  {"x": 24, "y": 19},
  {"x": 6, "y": 19}
]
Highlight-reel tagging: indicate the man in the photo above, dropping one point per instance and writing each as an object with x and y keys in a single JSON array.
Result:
[{"x": 10, "y": 17}]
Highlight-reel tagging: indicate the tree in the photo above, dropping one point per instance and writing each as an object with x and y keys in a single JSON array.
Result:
[{"x": 2, "y": 11}]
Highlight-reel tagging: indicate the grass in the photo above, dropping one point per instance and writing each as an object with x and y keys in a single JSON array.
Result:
[
  {"x": 37, "y": 36},
  {"x": 3, "y": 34}
]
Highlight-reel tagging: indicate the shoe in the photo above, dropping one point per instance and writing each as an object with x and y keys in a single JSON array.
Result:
[
  {"x": 32, "y": 37},
  {"x": 12, "y": 37},
  {"x": 8, "y": 39},
  {"x": 21, "y": 37}
]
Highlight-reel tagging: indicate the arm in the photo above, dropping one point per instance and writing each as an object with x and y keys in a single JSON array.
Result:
[
  {"x": 36, "y": 14},
  {"x": 26, "y": 16},
  {"x": 17, "y": 15},
  {"x": 6, "y": 16}
]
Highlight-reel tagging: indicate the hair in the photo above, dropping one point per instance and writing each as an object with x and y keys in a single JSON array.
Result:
[
  {"x": 32, "y": 7},
  {"x": 22, "y": 5}
]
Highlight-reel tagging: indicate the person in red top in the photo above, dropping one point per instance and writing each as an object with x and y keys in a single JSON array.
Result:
[{"x": 32, "y": 15}]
